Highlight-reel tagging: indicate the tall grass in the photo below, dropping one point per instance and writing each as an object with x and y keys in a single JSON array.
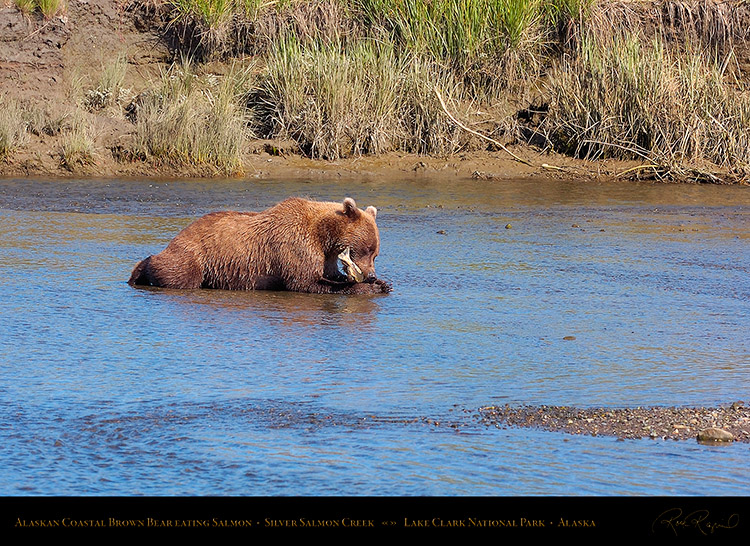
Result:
[
  {"x": 333, "y": 103},
  {"x": 499, "y": 39},
  {"x": 211, "y": 12},
  {"x": 428, "y": 130},
  {"x": 50, "y": 8},
  {"x": 186, "y": 121},
  {"x": 207, "y": 29},
  {"x": 12, "y": 127},
  {"x": 40, "y": 120},
  {"x": 631, "y": 98},
  {"x": 363, "y": 99},
  {"x": 77, "y": 145},
  {"x": 350, "y": 77},
  {"x": 309, "y": 21},
  {"x": 203, "y": 26},
  {"x": 25, "y": 6},
  {"x": 470, "y": 35}
]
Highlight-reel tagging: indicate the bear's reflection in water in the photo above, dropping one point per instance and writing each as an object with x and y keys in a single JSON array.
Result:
[{"x": 278, "y": 307}]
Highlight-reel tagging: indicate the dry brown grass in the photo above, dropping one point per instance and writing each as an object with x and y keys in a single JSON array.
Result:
[
  {"x": 188, "y": 118},
  {"x": 630, "y": 97}
]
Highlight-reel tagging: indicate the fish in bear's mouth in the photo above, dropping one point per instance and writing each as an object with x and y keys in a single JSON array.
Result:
[{"x": 350, "y": 269}]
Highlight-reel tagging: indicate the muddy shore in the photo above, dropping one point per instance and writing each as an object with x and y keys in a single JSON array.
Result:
[{"x": 265, "y": 162}]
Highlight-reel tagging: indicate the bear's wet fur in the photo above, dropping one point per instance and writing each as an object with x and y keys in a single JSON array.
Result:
[{"x": 294, "y": 246}]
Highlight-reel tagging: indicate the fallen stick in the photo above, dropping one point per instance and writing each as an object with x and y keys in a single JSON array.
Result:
[{"x": 473, "y": 132}]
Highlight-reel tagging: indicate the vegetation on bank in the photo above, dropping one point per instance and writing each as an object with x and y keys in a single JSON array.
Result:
[{"x": 658, "y": 82}]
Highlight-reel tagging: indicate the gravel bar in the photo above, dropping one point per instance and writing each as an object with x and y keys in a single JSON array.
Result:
[{"x": 669, "y": 423}]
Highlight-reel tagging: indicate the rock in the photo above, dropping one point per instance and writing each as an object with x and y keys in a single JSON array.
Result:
[{"x": 715, "y": 435}]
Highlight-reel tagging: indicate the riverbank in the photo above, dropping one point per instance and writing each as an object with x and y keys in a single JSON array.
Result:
[{"x": 309, "y": 88}]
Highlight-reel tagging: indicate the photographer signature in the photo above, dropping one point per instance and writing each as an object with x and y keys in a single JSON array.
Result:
[{"x": 698, "y": 520}]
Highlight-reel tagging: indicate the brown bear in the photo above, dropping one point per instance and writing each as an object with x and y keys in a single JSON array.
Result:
[{"x": 295, "y": 245}]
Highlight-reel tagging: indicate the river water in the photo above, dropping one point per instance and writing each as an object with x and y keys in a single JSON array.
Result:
[{"x": 505, "y": 292}]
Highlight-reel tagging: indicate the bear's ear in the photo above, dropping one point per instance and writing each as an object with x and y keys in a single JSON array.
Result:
[
  {"x": 372, "y": 210},
  {"x": 350, "y": 208}
]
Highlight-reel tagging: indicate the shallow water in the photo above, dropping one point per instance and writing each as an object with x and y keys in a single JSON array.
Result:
[{"x": 110, "y": 390}]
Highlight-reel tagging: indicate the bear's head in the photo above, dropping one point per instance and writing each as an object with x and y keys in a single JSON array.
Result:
[{"x": 359, "y": 233}]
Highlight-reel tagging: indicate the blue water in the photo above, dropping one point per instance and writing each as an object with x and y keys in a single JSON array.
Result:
[{"x": 110, "y": 390}]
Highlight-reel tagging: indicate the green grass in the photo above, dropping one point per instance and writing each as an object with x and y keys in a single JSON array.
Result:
[
  {"x": 468, "y": 35},
  {"x": 332, "y": 103},
  {"x": 48, "y": 8},
  {"x": 462, "y": 32},
  {"x": 560, "y": 13},
  {"x": 25, "y": 6},
  {"x": 211, "y": 12}
]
